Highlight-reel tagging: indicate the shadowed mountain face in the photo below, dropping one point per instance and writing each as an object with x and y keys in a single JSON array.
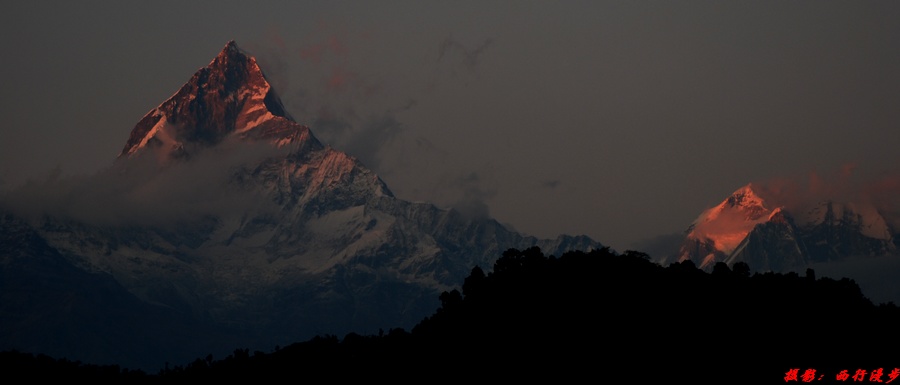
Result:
[
  {"x": 228, "y": 224},
  {"x": 745, "y": 227}
]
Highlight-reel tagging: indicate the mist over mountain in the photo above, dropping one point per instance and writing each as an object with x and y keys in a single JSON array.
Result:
[{"x": 225, "y": 223}]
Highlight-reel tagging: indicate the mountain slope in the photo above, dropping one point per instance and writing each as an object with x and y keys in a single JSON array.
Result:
[{"x": 222, "y": 210}]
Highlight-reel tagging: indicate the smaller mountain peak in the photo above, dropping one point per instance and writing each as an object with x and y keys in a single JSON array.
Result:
[
  {"x": 746, "y": 189},
  {"x": 778, "y": 215},
  {"x": 745, "y": 197}
]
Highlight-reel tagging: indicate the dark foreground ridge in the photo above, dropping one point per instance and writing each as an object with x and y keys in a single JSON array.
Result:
[{"x": 583, "y": 316}]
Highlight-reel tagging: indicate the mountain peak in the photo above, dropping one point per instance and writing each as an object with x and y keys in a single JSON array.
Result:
[
  {"x": 745, "y": 197},
  {"x": 231, "y": 46},
  {"x": 744, "y": 202},
  {"x": 720, "y": 229},
  {"x": 743, "y": 228},
  {"x": 230, "y": 96}
]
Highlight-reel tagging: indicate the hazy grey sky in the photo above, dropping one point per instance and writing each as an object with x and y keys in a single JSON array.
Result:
[{"x": 620, "y": 120}]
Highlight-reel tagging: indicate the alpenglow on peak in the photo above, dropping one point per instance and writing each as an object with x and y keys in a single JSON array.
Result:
[{"x": 228, "y": 97}]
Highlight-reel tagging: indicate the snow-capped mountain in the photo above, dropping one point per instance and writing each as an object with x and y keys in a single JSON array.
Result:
[
  {"x": 224, "y": 223},
  {"x": 229, "y": 98},
  {"x": 768, "y": 236}
]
